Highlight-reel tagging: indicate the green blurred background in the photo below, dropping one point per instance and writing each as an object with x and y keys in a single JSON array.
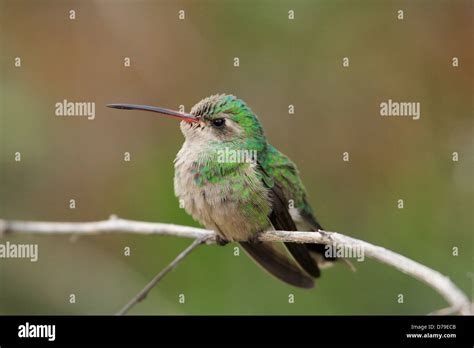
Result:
[{"x": 282, "y": 62}]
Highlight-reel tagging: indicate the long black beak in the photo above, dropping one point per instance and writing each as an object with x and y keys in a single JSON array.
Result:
[{"x": 163, "y": 111}]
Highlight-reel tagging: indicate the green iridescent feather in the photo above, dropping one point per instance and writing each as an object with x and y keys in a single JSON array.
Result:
[{"x": 274, "y": 167}]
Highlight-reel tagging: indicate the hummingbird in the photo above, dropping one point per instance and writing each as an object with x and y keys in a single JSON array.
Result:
[{"x": 239, "y": 195}]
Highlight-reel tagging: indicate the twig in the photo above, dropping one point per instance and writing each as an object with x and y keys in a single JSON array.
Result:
[
  {"x": 144, "y": 292},
  {"x": 442, "y": 284}
]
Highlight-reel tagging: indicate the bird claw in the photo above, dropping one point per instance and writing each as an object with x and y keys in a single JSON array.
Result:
[
  {"x": 221, "y": 241},
  {"x": 254, "y": 239}
]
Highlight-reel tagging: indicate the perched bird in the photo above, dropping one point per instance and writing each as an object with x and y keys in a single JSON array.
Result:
[{"x": 232, "y": 181}]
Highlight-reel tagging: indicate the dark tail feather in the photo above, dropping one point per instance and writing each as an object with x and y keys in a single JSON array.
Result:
[
  {"x": 316, "y": 248},
  {"x": 277, "y": 264},
  {"x": 301, "y": 254},
  {"x": 320, "y": 249}
]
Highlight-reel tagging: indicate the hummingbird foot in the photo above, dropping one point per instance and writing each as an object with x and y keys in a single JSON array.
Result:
[
  {"x": 221, "y": 241},
  {"x": 254, "y": 238}
]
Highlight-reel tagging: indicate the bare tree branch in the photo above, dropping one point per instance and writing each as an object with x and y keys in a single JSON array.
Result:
[{"x": 456, "y": 299}]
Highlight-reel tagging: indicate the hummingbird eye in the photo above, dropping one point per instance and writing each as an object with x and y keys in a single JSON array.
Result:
[{"x": 218, "y": 122}]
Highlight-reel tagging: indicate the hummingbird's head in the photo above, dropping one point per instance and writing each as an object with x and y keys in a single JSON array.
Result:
[
  {"x": 224, "y": 118},
  {"x": 218, "y": 118}
]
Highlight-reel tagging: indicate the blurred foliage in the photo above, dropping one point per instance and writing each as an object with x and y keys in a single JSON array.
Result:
[{"x": 282, "y": 62}]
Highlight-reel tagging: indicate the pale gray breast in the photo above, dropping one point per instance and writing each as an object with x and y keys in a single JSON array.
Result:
[{"x": 214, "y": 205}]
